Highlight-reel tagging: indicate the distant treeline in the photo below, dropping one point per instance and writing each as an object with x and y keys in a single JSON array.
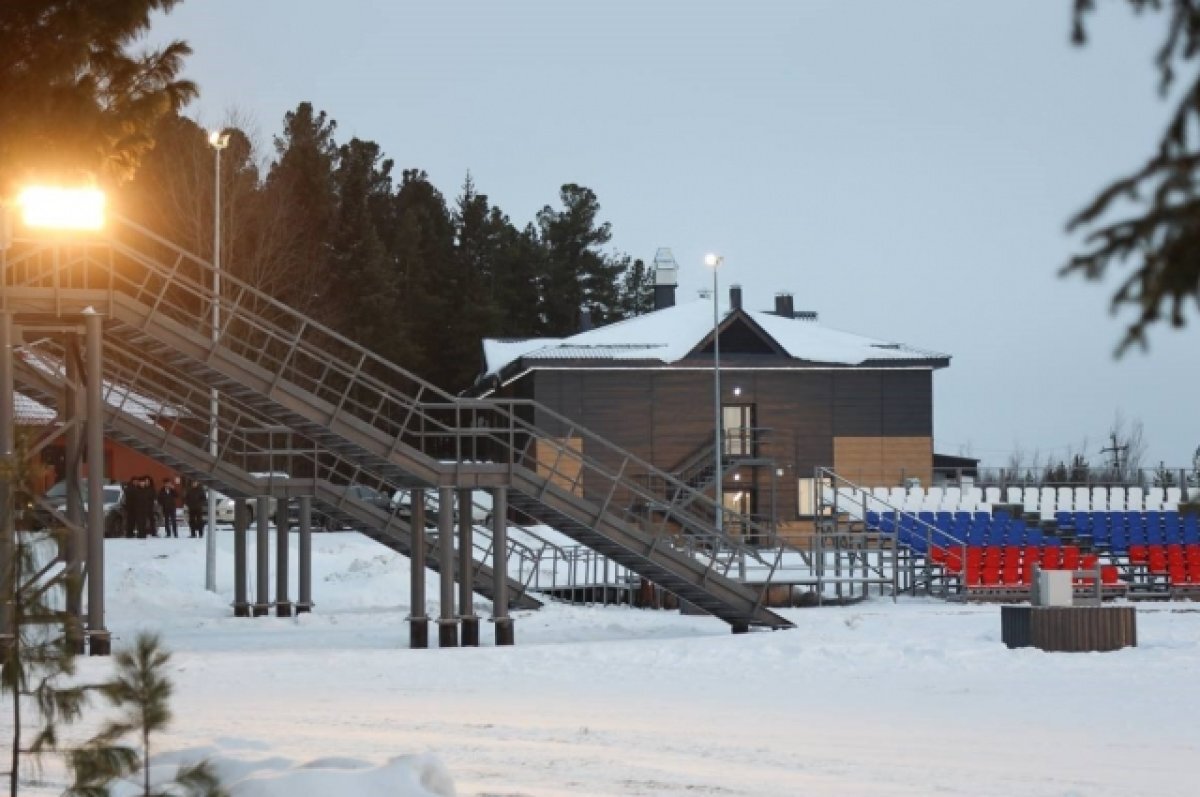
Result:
[{"x": 327, "y": 227}]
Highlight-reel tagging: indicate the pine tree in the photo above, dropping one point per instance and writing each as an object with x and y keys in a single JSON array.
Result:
[
  {"x": 300, "y": 186},
  {"x": 76, "y": 103},
  {"x": 39, "y": 651},
  {"x": 636, "y": 289},
  {"x": 1161, "y": 238},
  {"x": 578, "y": 274},
  {"x": 141, "y": 690}
]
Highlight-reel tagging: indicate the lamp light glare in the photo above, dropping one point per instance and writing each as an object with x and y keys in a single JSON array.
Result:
[
  {"x": 218, "y": 139},
  {"x": 62, "y": 208},
  {"x": 712, "y": 261}
]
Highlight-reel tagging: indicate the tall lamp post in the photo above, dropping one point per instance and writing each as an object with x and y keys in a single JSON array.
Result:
[
  {"x": 714, "y": 262},
  {"x": 219, "y": 141}
]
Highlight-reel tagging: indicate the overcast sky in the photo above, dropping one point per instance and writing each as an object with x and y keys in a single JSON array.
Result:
[{"x": 906, "y": 169}]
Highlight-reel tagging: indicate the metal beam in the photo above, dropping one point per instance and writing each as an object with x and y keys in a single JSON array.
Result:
[
  {"x": 99, "y": 640},
  {"x": 418, "y": 617},
  {"x": 448, "y": 622},
  {"x": 466, "y": 569}
]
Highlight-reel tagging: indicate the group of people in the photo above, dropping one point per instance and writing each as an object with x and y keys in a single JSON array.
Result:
[{"x": 143, "y": 504}]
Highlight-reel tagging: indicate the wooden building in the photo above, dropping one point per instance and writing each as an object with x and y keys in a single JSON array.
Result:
[{"x": 794, "y": 395}]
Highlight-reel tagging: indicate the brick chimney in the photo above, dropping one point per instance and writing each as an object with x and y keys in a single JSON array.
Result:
[{"x": 735, "y": 297}]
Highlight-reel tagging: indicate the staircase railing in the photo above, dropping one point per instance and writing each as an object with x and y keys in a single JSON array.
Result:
[{"x": 838, "y": 497}]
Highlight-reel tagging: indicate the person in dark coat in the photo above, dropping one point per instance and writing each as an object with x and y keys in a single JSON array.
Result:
[
  {"x": 128, "y": 502},
  {"x": 168, "y": 502},
  {"x": 196, "y": 500},
  {"x": 145, "y": 508}
]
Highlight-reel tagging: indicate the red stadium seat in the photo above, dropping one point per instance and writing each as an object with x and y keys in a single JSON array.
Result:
[{"x": 1050, "y": 558}]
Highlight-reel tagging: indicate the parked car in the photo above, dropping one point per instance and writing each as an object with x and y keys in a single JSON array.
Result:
[
  {"x": 358, "y": 492},
  {"x": 114, "y": 506},
  {"x": 481, "y": 507},
  {"x": 225, "y": 504}
]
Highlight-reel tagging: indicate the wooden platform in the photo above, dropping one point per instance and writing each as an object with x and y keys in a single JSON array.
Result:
[{"x": 1069, "y": 628}]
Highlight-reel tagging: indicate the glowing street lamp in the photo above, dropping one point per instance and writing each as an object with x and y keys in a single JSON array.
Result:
[
  {"x": 49, "y": 207},
  {"x": 714, "y": 262}
]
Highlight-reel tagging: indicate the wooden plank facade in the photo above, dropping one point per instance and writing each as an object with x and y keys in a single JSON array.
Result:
[{"x": 872, "y": 422}]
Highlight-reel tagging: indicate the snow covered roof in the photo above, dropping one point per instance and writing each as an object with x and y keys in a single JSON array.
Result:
[{"x": 668, "y": 335}]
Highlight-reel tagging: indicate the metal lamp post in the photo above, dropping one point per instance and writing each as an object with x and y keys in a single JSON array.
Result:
[
  {"x": 714, "y": 262},
  {"x": 219, "y": 141}
]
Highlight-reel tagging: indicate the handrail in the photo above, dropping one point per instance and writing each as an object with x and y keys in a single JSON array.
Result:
[{"x": 838, "y": 487}]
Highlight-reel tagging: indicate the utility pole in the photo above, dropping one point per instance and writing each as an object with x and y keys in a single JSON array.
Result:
[{"x": 1115, "y": 450}]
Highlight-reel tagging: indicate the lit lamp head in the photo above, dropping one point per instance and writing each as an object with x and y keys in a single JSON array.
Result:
[
  {"x": 45, "y": 207},
  {"x": 713, "y": 261},
  {"x": 218, "y": 139}
]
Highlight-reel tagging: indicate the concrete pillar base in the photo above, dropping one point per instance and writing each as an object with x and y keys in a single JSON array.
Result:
[
  {"x": 304, "y": 608},
  {"x": 505, "y": 632},
  {"x": 418, "y": 633},
  {"x": 470, "y": 632},
  {"x": 99, "y": 643},
  {"x": 241, "y": 610},
  {"x": 260, "y": 609},
  {"x": 283, "y": 610},
  {"x": 447, "y": 633}
]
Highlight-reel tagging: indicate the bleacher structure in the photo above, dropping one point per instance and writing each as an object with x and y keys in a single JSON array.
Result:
[{"x": 986, "y": 542}]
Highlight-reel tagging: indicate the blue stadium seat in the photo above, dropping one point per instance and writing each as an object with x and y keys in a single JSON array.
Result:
[
  {"x": 1172, "y": 531},
  {"x": 1191, "y": 530},
  {"x": 1154, "y": 528},
  {"x": 1063, "y": 519}
]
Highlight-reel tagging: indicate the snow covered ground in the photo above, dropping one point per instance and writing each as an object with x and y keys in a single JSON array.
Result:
[{"x": 912, "y": 698}]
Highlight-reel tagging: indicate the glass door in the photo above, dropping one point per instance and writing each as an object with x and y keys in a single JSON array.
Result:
[{"x": 737, "y": 421}]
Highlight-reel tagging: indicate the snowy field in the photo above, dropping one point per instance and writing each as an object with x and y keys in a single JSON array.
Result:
[{"x": 914, "y": 698}]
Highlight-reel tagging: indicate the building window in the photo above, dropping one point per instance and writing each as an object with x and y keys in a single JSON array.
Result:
[{"x": 806, "y": 497}]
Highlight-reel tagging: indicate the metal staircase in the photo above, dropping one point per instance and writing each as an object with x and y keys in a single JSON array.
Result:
[
  {"x": 896, "y": 547},
  {"x": 328, "y": 482},
  {"x": 376, "y": 418}
]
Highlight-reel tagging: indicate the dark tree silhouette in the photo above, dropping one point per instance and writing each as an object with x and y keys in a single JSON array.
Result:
[{"x": 1158, "y": 228}]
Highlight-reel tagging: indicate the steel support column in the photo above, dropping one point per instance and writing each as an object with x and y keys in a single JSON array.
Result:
[
  {"x": 448, "y": 622},
  {"x": 304, "y": 602},
  {"x": 241, "y": 519},
  {"x": 8, "y": 568},
  {"x": 262, "y": 545},
  {"x": 418, "y": 617},
  {"x": 466, "y": 570},
  {"x": 283, "y": 607},
  {"x": 76, "y": 540},
  {"x": 504, "y": 623},
  {"x": 99, "y": 640}
]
